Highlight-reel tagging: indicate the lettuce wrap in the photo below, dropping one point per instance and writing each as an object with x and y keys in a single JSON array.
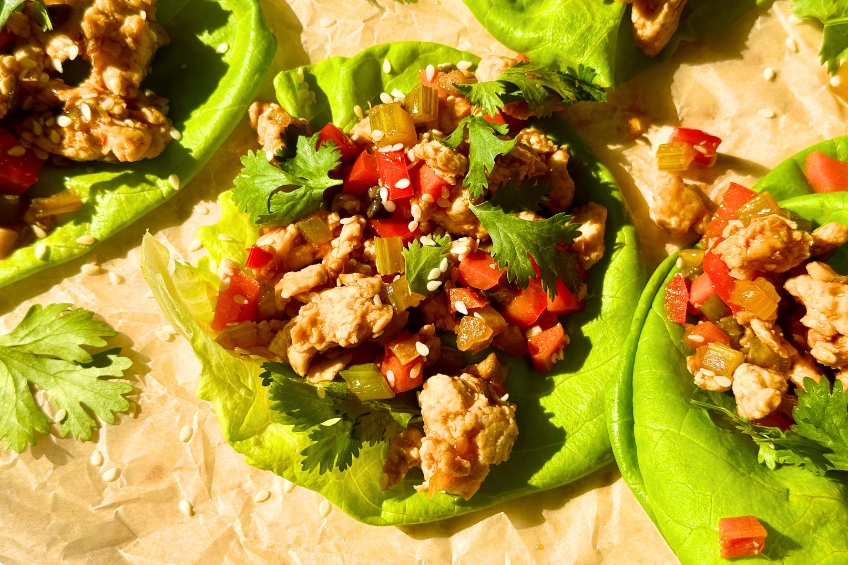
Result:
[
  {"x": 209, "y": 93},
  {"x": 560, "y": 416},
  {"x": 595, "y": 33},
  {"x": 688, "y": 469}
]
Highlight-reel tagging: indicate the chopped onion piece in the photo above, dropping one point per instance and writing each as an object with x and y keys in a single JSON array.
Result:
[{"x": 367, "y": 382}]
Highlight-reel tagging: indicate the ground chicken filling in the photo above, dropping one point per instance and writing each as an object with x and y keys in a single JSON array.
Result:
[
  {"x": 105, "y": 117},
  {"x": 325, "y": 301},
  {"x": 770, "y": 312}
]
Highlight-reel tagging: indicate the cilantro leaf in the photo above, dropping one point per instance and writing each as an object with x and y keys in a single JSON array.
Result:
[
  {"x": 257, "y": 193},
  {"x": 6, "y": 9},
  {"x": 334, "y": 447},
  {"x": 484, "y": 146},
  {"x": 516, "y": 241},
  {"x": 421, "y": 259},
  {"x": 821, "y": 415},
  {"x": 834, "y": 16},
  {"x": 45, "y": 350},
  {"x": 484, "y": 95},
  {"x": 41, "y": 16}
]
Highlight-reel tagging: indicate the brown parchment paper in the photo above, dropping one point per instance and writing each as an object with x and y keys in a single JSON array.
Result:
[{"x": 55, "y": 506}]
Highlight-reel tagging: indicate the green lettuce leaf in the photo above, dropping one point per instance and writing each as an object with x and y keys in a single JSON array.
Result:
[
  {"x": 686, "y": 471},
  {"x": 209, "y": 94},
  {"x": 563, "y": 434},
  {"x": 594, "y": 33},
  {"x": 834, "y": 16}
]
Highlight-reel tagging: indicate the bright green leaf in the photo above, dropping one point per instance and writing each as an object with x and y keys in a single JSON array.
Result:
[{"x": 421, "y": 259}]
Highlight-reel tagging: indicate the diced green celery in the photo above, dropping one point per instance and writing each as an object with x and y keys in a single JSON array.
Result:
[
  {"x": 720, "y": 359},
  {"x": 394, "y": 124},
  {"x": 762, "y": 205},
  {"x": 367, "y": 382},
  {"x": 762, "y": 355},
  {"x": 59, "y": 203},
  {"x": 731, "y": 327},
  {"x": 315, "y": 230},
  {"x": 422, "y": 103},
  {"x": 675, "y": 156},
  {"x": 689, "y": 261},
  {"x": 389, "y": 252},
  {"x": 755, "y": 298},
  {"x": 398, "y": 293},
  {"x": 714, "y": 308}
]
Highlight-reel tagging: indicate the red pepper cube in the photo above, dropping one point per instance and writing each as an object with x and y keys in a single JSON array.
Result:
[
  {"x": 395, "y": 226},
  {"x": 426, "y": 181},
  {"x": 362, "y": 175},
  {"x": 258, "y": 258},
  {"x": 719, "y": 274},
  {"x": 391, "y": 165},
  {"x": 479, "y": 270},
  {"x": 705, "y": 145},
  {"x": 18, "y": 172},
  {"x": 740, "y": 537},
  {"x": 702, "y": 289},
  {"x": 566, "y": 302},
  {"x": 399, "y": 376},
  {"x": 545, "y": 347},
  {"x": 527, "y": 305},
  {"x": 469, "y": 297},
  {"x": 237, "y": 302},
  {"x": 704, "y": 333},
  {"x": 825, "y": 173},
  {"x": 348, "y": 148},
  {"x": 676, "y": 299},
  {"x": 735, "y": 196}
]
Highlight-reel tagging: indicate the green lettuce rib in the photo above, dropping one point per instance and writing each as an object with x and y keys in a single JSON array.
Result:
[
  {"x": 209, "y": 94},
  {"x": 562, "y": 433}
]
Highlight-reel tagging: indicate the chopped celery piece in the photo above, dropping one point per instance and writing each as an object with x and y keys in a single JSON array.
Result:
[
  {"x": 400, "y": 297},
  {"x": 8, "y": 241},
  {"x": 764, "y": 356},
  {"x": 422, "y": 103},
  {"x": 315, "y": 230},
  {"x": 762, "y": 205},
  {"x": 367, "y": 382},
  {"x": 719, "y": 358},
  {"x": 756, "y": 298},
  {"x": 472, "y": 334},
  {"x": 732, "y": 328},
  {"x": 395, "y": 125},
  {"x": 714, "y": 308},
  {"x": 689, "y": 262},
  {"x": 59, "y": 203},
  {"x": 389, "y": 255},
  {"x": 12, "y": 209},
  {"x": 675, "y": 156}
]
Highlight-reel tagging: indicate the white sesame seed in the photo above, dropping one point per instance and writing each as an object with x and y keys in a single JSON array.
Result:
[
  {"x": 63, "y": 121},
  {"x": 226, "y": 238},
  {"x": 443, "y": 203},
  {"x": 387, "y": 66},
  {"x": 416, "y": 211},
  {"x": 463, "y": 65},
  {"x": 186, "y": 507},
  {"x": 175, "y": 134},
  {"x": 358, "y": 111},
  {"x": 769, "y": 74},
  {"x": 222, "y": 48},
  {"x": 57, "y": 64},
  {"x": 185, "y": 433},
  {"x": 36, "y": 128},
  {"x": 96, "y": 458},
  {"x": 40, "y": 153},
  {"x": 345, "y": 221},
  {"x": 397, "y": 147},
  {"x": 792, "y": 44},
  {"x": 428, "y": 198},
  {"x": 115, "y": 278},
  {"x": 40, "y": 251},
  {"x": 416, "y": 370},
  {"x": 377, "y": 135},
  {"x": 478, "y": 315},
  {"x": 384, "y": 194},
  {"x": 38, "y": 231},
  {"x": 16, "y": 151},
  {"x": 434, "y": 274},
  {"x": 143, "y": 14},
  {"x": 261, "y": 496},
  {"x": 195, "y": 245},
  {"x": 505, "y": 397},
  {"x": 90, "y": 269},
  {"x": 49, "y": 122},
  {"x": 110, "y": 474},
  {"x": 708, "y": 372},
  {"x": 320, "y": 391},
  {"x": 239, "y": 299},
  {"x": 325, "y": 508},
  {"x": 385, "y": 149},
  {"x": 402, "y": 183},
  {"x": 390, "y": 377},
  {"x": 288, "y": 486},
  {"x": 723, "y": 381},
  {"x": 430, "y": 72},
  {"x": 422, "y": 349},
  {"x": 73, "y": 52},
  {"x": 679, "y": 263},
  {"x": 459, "y": 306},
  {"x": 299, "y": 75},
  {"x": 398, "y": 94},
  {"x": 386, "y": 98},
  {"x": 163, "y": 335},
  {"x": 443, "y": 266},
  {"x": 389, "y": 206},
  {"x": 835, "y": 81},
  {"x": 432, "y": 286},
  {"x": 767, "y": 113},
  {"x": 427, "y": 240},
  {"x": 54, "y": 136},
  {"x": 86, "y": 112},
  {"x": 60, "y": 415},
  {"x": 445, "y": 192},
  {"x": 327, "y": 22},
  {"x": 412, "y": 226},
  {"x": 175, "y": 181},
  {"x": 696, "y": 338}
]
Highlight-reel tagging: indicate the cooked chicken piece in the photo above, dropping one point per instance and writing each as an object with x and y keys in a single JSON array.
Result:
[
  {"x": 270, "y": 122},
  {"x": 402, "y": 456},
  {"x": 562, "y": 195},
  {"x": 828, "y": 237},
  {"x": 831, "y": 351},
  {"x": 290, "y": 249},
  {"x": 451, "y": 111},
  {"x": 361, "y": 132},
  {"x": 489, "y": 369},
  {"x": 654, "y": 22},
  {"x": 772, "y": 337},
  {"x": 436, "y": 312},
  {"x": 348, "y": 241},
  {"x": 804, "y": 367},
  {"x": 676, "y": 207},
  {"x": 304, "y": 280},
  {"x": 337, "y": 317},
  {"x": 525, "y": 160},
  {"x": 537, "y": 141},
  {"x": 491, "y": 67},
  {"x": 758, "y": 391},
  {"x": 458, "y": 219},
  {"x": 769, "y": 243},
  {"x": 589, "y": 245},
  {"x": 326, "y": 368},
  {"x": 467, "y": 429},
  {"x": 446, "y": 162}
]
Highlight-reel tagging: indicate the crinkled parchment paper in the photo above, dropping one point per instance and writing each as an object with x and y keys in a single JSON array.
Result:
[{"x": 54, "y": 504}]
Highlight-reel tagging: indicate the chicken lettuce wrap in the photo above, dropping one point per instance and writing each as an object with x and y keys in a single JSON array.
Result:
[
  {"x": 408, "y": 303},
  {"x": 729, "y": 420}
]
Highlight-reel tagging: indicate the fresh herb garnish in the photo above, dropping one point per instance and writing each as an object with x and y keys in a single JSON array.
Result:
[
  {"x": 834, "y": 17},
  {"x": 540, "y": 86},
  {"x": 421, "y": 259},
  {"x": 41, "y": 16},
  {"x": 484, "y": 146},
  {"x": 516, "y": 243},
  {"x": 46, "y": 350},
  {"x": 257, "y": 193},
  {"x": 337, "y": 422},
  {"x": 6, "y": 9}
]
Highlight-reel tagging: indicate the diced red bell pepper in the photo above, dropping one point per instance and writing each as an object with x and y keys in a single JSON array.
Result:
[
  {"x": 741, "y": 536},
  {"x": 776, "y": 419},
  {"x": 426, "y": 181},
  {"x": 719, "y": 274},
  {"x": 565, "y": 302},
  {"x": 735, "y": 196},
  {"x": 479, "y": 270},
  {"x": 237, "y": 302},
  {"x": 701, "y": 290},
  {"x": 401, "y": 378},
  {"x": 17, "y": 172},
  {"x": 825, "y": 173},
  {"x": 348, "y": 148},
  {"x": 395, "y": 226},
  {"x": 544, "y": 346},
  {"x": 469, "y": 297},
  {"x": 527, "y": 305},
  {"x": 362, "y": 175},
  {"x": 258, "y": 258},
  {"x": 391, "y": 165},
  {"x": 705, "y": 145},
  {"x": 704, "y": 333},
  {"x": 676, "y": 299}
]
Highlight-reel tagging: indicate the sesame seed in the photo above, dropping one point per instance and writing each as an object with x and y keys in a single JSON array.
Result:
[
  {"x": 195, "y": 245},
  {"x": 445, "y": 192},
  {"x": 63, "y": 121},
  {"x": 377, "y": 135},
  {"x": 769, "y": 74},
  {"x": 398, "y": 94},
  {"x": 90, "y": 269},
  {"x": 73, "y": 52},
  {"x": 384, "y": 194},
  {"x": 463, "y": 65},
  {"x": 44, "y": 77},
  {"x": 422, "y": 349},
  {"x": 708, "y": 372},
  {"x": 226, "y": 238},
  {"x": 397, "y": 147},
  {"x": 428, "y": 198},
  {"x": 427, "y": 240},
  {"x": 222, "y": 48},
  {"x": 175, "y": 181},
  {"x": 325, "y": 508},
  {"x": 443, "y": 266},
  {"x": 389, "y": 206},
  {"x": 430, "y": 72},
  {"x": 390, "y": 377},
  {"x": 185, "y": 433},
  {"x": 402, "y": 183},
  {"x": 723, "y": 381},
  {"x": 377, "y": 300},
  {"x": 163, "y": 335},
  {"x": 478, "y": 315},
  {"x": 416, "y": 211},
  {"x": 50, "y": 121},
  {"x": 86, "y": 112},
  {"x": 110, "y": 474},
  {"x": 358, "y": 111},
  {"x": 60, "y": 415},
  {"x": 434, "y": 274},
  {"x": 386, "y": 99},
  {"x": 432, "y": 286},
  {"x": 505, "y": 397},
  {"x": 16, "y": 151},
  {"x": 143, "y": 14},
  {"x": 175, "y": 134},
  {"x": 387, "y": 66},
  {"x": 54, "y": 137},
  {"x": 416, "y": 370},
  {"x": 767, "y": 113},
  {"x": 443, "y": 203},
  {"x": 327, "y": 22},
  {"x": 115, "y": 278},
  {"x": 40, "y": 251},
  {"x": 835, "y": 81},
  {"x": 36, "y": 128},
  {"x": 186, "y": 507},
  {"x": 239, "y": 299},
  {"x": 791, "y": 44},
  {"x": 288, "y": 486},
  {"x": 413, "y": 225},
  {"x": 261, "y": 496},
  {"x": 459, "y": 306},
  {"x": 320, "y": 390},
  {"x": 96, "y": 458}
]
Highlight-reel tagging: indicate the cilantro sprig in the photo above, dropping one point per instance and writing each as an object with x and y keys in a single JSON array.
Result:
[
  {"x": 484, "y": 146},
  {"x": 337, "y": 422},
  {"x": 421, "y": 259},
  {"x": 47, "y": 349},
  {"x": 834, "y": 16},
  {"x": 541, "y": 87},
  {"x": 39, "y": 13},
  {"x": 517, "y": 243},
  {"x": 257, "y": 188}
]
